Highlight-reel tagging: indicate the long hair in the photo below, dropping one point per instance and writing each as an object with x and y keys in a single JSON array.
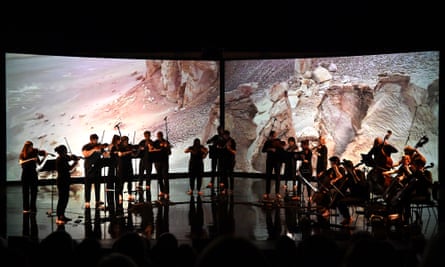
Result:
[{"x": 25, "y": 149}]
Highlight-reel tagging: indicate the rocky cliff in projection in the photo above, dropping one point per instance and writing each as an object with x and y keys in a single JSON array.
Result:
[
  {"x": 51, "y": 100},
  {"x": 350, "y": 100}
]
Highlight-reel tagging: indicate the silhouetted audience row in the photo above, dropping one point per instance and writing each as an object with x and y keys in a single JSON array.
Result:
[{"x": 133, "y": 250}]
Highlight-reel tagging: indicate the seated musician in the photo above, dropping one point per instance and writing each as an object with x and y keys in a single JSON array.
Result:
[
  {"x": 417, "y": 188},
  {"x": 332, "y": 190},
  {"x": 379, "y": 158},
  {"x": 401, "y": 174}
]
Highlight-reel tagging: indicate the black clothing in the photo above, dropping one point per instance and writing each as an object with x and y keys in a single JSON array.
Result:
[
  {"x": 124, "y": 168},
  {"x": 322, "y": 159},
  {"x": 196, "y": 166},
  {"x": 29, "y": 179},
  {"x": 216, "y": 143},
  {"x": 161, "y": 162},
  {"x": 290, "y": 164},
  {"x": 92, "y": 166},
  {"x": 146, "y": 162},
  {"x": 305, "y": 170},
  {"x": 63, "y": 181},
  {"x": 274, "y": 158},
  {"x": 227, "y": 163}
]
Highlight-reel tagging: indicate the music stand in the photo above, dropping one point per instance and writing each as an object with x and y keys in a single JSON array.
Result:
[{"x": 49, "y": 166}]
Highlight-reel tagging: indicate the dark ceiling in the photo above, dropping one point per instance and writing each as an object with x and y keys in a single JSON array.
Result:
[{"x": 220, "y": 29}]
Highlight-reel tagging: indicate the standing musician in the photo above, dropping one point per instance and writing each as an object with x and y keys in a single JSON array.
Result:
[
  {"x": 93, "y": 152},
  {"x": 227, "y": 163},
  {"x": 64, "y": 164},
  {"x": 305, "y": 168},
  {"x": 273, "y": 149},
  {"x": 196, "y": 165},
  {"x": 321, "y": 151},
  {"x": 111, "y": 161},
  {"x": 125, "y": 153},
  {"x": 29, "y": 159},
  {"x": 161, "y": 154},
  {"x": 216, "y": 143},
  {"x": 290, "y": 158},
  {"x": 146, "y": 148}
]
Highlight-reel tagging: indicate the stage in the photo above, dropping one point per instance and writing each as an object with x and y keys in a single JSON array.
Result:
[{"x": 191, "y": 218}]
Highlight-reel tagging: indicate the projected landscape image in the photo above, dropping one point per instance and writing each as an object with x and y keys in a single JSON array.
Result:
[
  {"x": 350, "y": 100},
  {"x": 53, "y": 100}
]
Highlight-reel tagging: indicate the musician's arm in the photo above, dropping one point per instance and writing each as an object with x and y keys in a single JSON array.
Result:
[
  {"x": 87, "y": 153},
  {"x": 231, "y": 147},
  {"x": 338, "y": 175},
  {"x": 22, "y": 161},
  {"x": 205, "y": 151}
]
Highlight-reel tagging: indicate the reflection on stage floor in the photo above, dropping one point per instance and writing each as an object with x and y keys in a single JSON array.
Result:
[{"x": 188, "y": 217}]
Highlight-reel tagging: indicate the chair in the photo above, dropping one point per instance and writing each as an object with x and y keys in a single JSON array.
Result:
[{"x": 425, "y": 212}]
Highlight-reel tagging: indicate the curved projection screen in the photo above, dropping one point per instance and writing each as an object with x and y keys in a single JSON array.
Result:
[
  {"x": 350, "y": 100},
  {"x": 54, "y": 100}
]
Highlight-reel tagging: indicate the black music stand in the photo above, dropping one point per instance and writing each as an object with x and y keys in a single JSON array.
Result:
[{"x": 49, "y": 166}]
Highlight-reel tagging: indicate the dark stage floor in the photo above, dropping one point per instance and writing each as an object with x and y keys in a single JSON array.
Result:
[{"x": 189, "y": 218}]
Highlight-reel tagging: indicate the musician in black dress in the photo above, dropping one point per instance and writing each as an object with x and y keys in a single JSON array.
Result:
[
  {"x": 92, "y": 153},
  {"x": 274, "y": 151},
  {"x": 161, "y": 154},
  {"x": 196, "y": 165},
  {"x": 216, "y": 143},
  {"x": 64, "y": 165},
  {"x": 29, "y": 159}
]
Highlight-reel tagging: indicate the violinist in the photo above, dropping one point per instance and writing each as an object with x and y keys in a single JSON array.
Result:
[
  {"x": 146, "y": 162},
  {"x": 29, "y": 159},
  {"x": 227, "y": 163},
  {"x": 64, "y": 164},
  {"x": 274, "y": 150},
  {"x": 92, "y": 152},
  {"x": 125, "y": 171},
  {"x": 161, "y": 154}
]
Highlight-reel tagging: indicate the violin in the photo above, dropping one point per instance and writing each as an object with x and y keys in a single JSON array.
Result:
[
  {"x": 74, "y": 157},
  {"x": 101, "y": 145}
]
